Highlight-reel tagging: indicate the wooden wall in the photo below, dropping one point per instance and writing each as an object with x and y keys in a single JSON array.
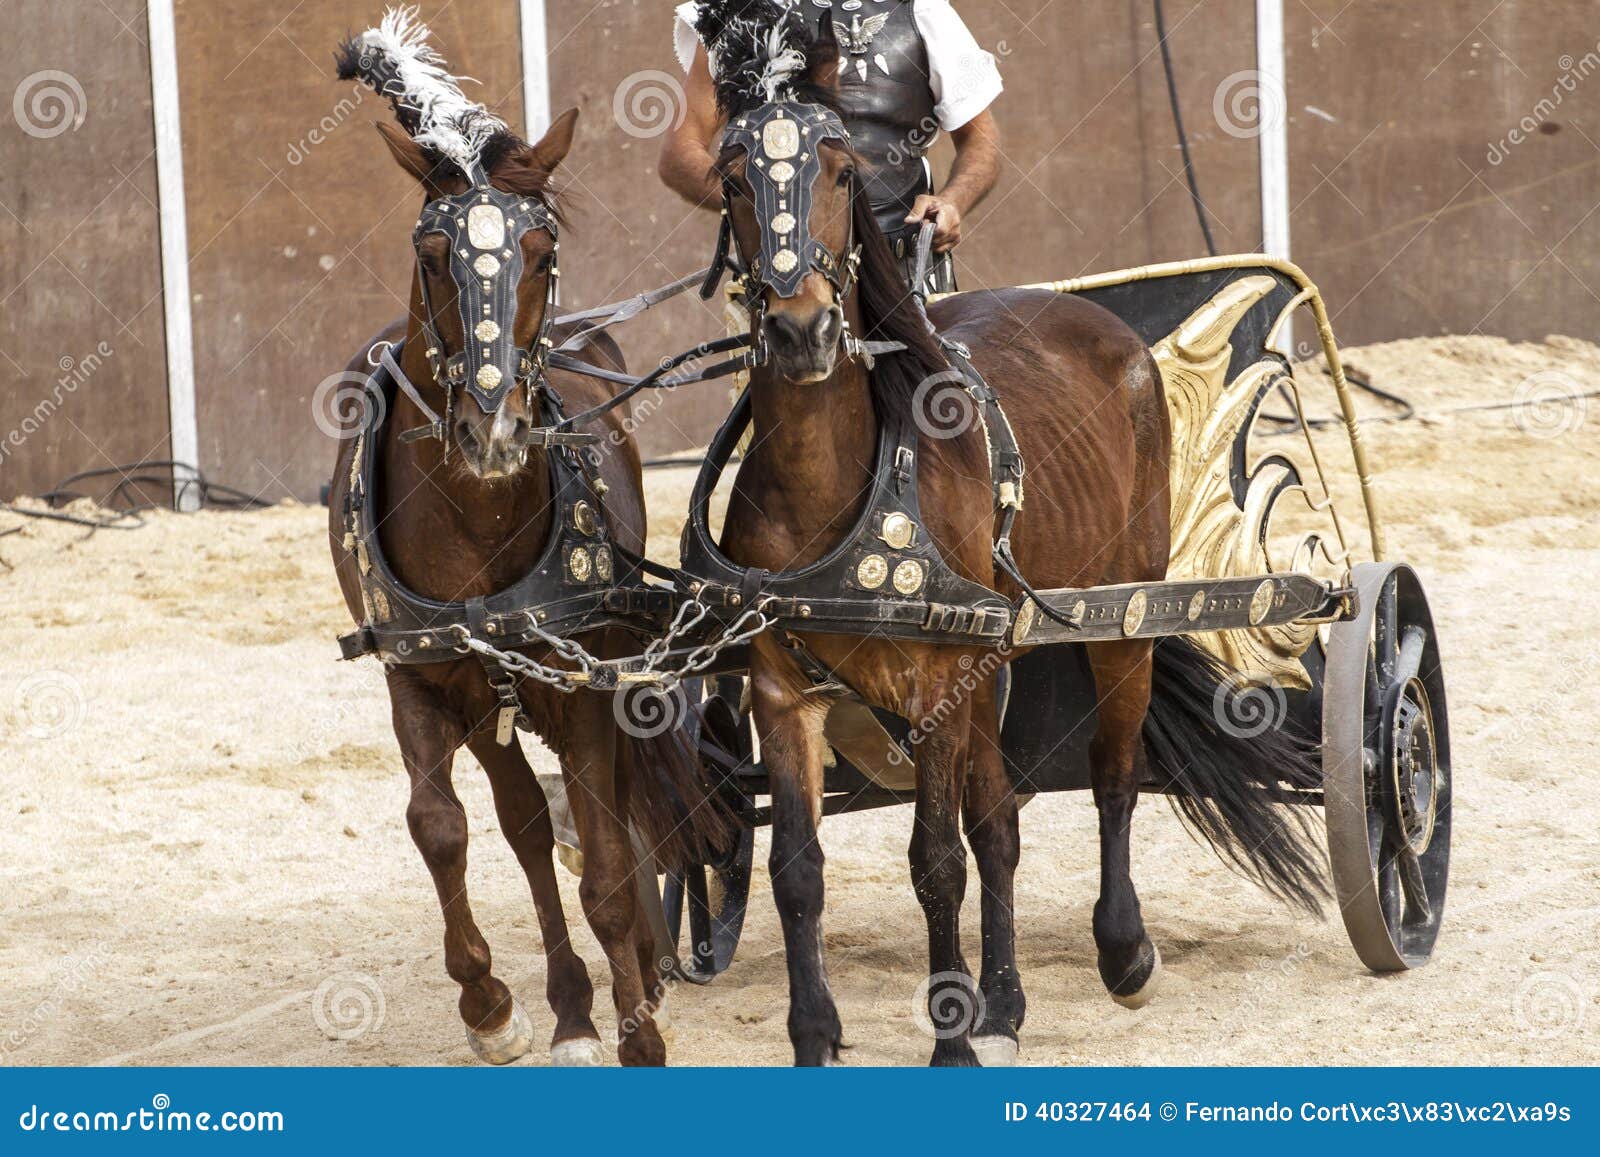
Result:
[
  {"x": 299, "y": 221},
  {"x": 298, "y": 250},
  {"x": 82, "y": 352},
  {"x": 1412, "y": 209}
]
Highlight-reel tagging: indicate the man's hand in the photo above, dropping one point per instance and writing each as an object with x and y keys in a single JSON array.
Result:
[{"x": 945, "y": 216}]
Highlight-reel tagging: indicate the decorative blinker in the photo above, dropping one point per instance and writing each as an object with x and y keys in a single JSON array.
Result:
[
  {"x": 475, "y": 222},
  {"x": 781, "y": 141}
]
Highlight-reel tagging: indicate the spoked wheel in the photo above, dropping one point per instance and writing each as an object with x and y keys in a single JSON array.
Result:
[
  {"x": 1386, "y": 766},
  {"x": 716, "y": 894}
]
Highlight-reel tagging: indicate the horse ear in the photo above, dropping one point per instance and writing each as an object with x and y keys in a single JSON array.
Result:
[
  {"x": 822, "y": 69},
  {"x": 552, "y": 149},
  {"x": 412, "y": 157}
]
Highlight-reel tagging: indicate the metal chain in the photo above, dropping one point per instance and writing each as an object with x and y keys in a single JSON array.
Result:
[{"x": 649, "y": 670}]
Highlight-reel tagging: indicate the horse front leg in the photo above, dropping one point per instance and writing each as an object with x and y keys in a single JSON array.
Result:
[
  {"x": 1129, "y": 963},
  {"x": 939, "y": 874},
  {"x": 790, "y": 726},
  {"x": 589, "y": 761},
  {"x": 498, "y": 1029},
  {"x": 989, "y": 814},
  {"x": 524, "y": 816}
]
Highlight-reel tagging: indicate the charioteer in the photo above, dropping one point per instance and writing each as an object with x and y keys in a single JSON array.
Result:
[{"x": 909, "y": 69}]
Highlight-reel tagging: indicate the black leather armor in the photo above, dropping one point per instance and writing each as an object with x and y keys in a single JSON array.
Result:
[{"x": 888, "y": 106}]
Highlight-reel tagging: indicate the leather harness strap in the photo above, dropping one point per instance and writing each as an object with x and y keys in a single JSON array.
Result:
[{"x": 580, "y": 582}]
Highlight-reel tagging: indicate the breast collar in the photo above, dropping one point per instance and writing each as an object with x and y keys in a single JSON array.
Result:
[
  {"x": 886, "y": 578},
  {"x": 580, "y": 581}
]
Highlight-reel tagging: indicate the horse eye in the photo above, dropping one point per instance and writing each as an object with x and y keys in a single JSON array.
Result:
[
  {"x": 545, "y": 264},
  {"x": 846, "y": 177}
]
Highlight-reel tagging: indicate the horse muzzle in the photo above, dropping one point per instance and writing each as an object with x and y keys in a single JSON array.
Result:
[{"x": 804, "y": 349}]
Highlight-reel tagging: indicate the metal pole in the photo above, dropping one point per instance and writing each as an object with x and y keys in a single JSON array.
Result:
[
  {"x": 185, "y": 433},
  {"x": 1273, "y": 109},
  {"x": 535, "y": 69}
]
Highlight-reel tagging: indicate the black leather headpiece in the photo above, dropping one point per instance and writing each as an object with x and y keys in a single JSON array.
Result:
[
  {"x": 781, "y": 142},
  {"x": 485, "y": 227}
]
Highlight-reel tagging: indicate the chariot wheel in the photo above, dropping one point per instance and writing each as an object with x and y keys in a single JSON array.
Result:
[
  {"x": 717, "y": 894},
  {"x": 1386, "y": 769}
]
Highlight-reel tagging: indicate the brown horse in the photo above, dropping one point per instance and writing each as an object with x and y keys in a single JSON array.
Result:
[
  {"x": 467, "y": 515},
  {"x": 1085, "y": 396}
]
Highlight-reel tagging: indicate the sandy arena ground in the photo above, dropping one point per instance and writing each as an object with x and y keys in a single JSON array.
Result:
[{"x": 205, "y": 860}]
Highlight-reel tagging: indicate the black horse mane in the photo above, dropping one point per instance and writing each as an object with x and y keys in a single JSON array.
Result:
[{"x": 889, "y": 312}]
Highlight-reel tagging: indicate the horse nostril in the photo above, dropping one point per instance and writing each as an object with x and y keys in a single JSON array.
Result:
[
  {"x": 520, "y": 429},
  {"x": 782, "y": 331},
  {"x": 828, "y": 327}
]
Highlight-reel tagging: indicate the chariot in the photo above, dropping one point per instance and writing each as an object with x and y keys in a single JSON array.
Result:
[{"x": 1278, "y": 567}]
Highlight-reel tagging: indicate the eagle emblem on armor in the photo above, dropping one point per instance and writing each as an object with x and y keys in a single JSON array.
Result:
[{"x": 856, "y": 39}]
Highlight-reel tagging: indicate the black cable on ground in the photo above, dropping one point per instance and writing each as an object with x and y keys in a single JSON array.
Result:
[
  {"x": 123, "y": 508},
  {"x": 1177, "y": 123}
]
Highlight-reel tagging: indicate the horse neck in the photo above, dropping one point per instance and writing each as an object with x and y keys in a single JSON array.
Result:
[
  {"x": 816, "y": 447},
  {"x": 446, "y": 533}
]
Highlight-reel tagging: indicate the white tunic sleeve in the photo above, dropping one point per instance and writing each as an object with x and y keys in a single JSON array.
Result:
[
  {"x": 964, "y": 77},
  {"x": 684, "y": 38}
]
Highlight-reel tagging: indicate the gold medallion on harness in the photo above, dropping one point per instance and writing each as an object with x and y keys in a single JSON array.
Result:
[
  {"x": 872, "y": 571},
  {"x": 486, "y": 227},
  {"x": 908, "y": 577},
  {"x": 583, "y": 518},
  {"x": 1024, "y": 622},
  {"x": 1133, "y": 617},
  {"x": 580, "y": 564},
  {"x": 1261, "y": 602},
  {"x": 780, "y": 139},
  {"x": 898, "y": 530}
]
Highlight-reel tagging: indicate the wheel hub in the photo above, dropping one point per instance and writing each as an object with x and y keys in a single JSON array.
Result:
[{"x": 1414, "y": 780}]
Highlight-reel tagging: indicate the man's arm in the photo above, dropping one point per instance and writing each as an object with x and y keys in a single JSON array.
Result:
[
  {"x": 686, "y": 159},
  {"x": 972, "y": 176}
]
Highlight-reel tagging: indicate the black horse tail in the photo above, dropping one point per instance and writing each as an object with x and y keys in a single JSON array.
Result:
[
  {"x": 673, "y": 803},
  {"x": 1232, "y": 764}
]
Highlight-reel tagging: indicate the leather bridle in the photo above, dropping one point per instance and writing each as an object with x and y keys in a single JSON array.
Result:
[
  {"x": 782, "y": 146},
  {"x": 483, "y": 227}
]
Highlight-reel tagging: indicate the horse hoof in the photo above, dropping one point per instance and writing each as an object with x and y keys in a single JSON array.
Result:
[
  {"x": 579, "y": 1052},
  {"x": 1147, "y": 990},
  {"x": 996, "y": 1052},
  {"x": 663, "y": 1019},
  {"x": 507, "y": 1044}
]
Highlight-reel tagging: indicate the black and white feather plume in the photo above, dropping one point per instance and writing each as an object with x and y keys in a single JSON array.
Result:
[
  {"x": 396, "y": 61},
  {"x": 758, "y": 50}
]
